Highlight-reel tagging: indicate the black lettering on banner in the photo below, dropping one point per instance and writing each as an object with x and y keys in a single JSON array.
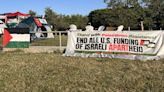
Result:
[
  {"x": 87, "y": 47},
  {"x": 79, "y": 46},
  {"x": 95, "y": 47},
  {"x": 141, "y": 49},
  {"x": 81, "y": 40},
  {"x": 115, "y": 41},
  {"x": 135, "y": 49},
  {"x": 126, "y": 41},
  {"x": 102, "y": 40},
  {"x": 107, "y": 40},
  {"x": 94, "y": 40}
]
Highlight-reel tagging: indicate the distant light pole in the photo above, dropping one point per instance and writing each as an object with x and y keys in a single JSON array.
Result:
[
  {"x": 127, "y": 8},
  {"x": 142, "y": 26},
  {"x": 128, "y": 23}
]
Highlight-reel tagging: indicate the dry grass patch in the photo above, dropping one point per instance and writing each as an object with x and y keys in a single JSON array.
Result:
[{"x": 44, "y": 72}]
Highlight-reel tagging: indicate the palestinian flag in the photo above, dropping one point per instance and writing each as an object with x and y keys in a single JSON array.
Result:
[{"x": 20, "y": 38}]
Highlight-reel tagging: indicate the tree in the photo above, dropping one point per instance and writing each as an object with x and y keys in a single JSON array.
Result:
[
  {"x": 115, "y": 17},
  {"x": 51, "y": 16},
  {"x": 101, "y": 17},
  {"x": 79, "y": 20},
  {"x": 122, "y": 3},
  {"x": 62, "y": 22},
  {"x": 32, "y": 13},
  {"x": 156, "y": 7},
  {"x": 131, "y": 12}
]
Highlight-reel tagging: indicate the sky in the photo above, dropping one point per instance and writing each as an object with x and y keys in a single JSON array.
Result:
[{"x": 67, "y": 7}]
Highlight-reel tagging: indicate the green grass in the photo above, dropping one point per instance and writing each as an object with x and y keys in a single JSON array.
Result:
[
  {"x": 50, "y": 41},
  {"x": 20, "y": 72},
  {"x": 1, "y": 41}
]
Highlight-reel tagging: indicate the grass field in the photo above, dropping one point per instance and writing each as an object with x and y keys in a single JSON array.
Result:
[
  {"x": 1, "y": 40},
  {"x": 51, "y": 41},
  {"x": 48, "y": 41},
  {"x": 20, "y": 72}
]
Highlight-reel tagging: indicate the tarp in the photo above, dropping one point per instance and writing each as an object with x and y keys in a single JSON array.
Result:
[
  {"x": 38, "y": 23},
  {"x": 35, "y": 26},
  {"x": 27, "y": 23},
  {"x": 49, "y": 34},
  {"x": 2, "y": 26},
  {"x": 12, "y": 23},
  {"x": 43, "y": 21},
  {"x": 136, "y": 45},
  {"x": 2, "y": 17},
  {"x": 16, "y": 14}
]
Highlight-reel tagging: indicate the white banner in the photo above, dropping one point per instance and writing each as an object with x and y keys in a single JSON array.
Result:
[{"x": 149, "y": 44}]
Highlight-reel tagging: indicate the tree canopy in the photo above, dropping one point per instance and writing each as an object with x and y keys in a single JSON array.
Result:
[
  {"x": 129, "y": 13},
  {"x": 62, "y": 22},
  {"x": 32, "y": 13}
]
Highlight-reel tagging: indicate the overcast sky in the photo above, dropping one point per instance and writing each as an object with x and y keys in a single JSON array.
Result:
[{"x": 67, "y": 7}]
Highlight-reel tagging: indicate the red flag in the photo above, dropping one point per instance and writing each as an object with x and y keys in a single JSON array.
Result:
[{"x": 6, "y": 37}]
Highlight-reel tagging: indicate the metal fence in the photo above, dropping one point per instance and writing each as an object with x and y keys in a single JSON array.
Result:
[
  {"x": 1, "y": 41},
  {"x": 59, "y": 39}
]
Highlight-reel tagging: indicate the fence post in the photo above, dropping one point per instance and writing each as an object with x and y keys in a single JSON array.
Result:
[
  {"x": 60, "y": 44},
  {"x": 142, "y": 26}
]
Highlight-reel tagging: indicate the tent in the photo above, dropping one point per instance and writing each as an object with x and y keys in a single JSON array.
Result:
[
  {"x": 12, "y": 19},
  {"x": 36, "y": 27},
  {"x": 2, "y": 23},
  {"x": 16, "y": 14}
]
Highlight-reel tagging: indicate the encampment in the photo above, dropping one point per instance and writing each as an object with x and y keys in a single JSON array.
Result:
[{"x": 37, "y": 27}]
